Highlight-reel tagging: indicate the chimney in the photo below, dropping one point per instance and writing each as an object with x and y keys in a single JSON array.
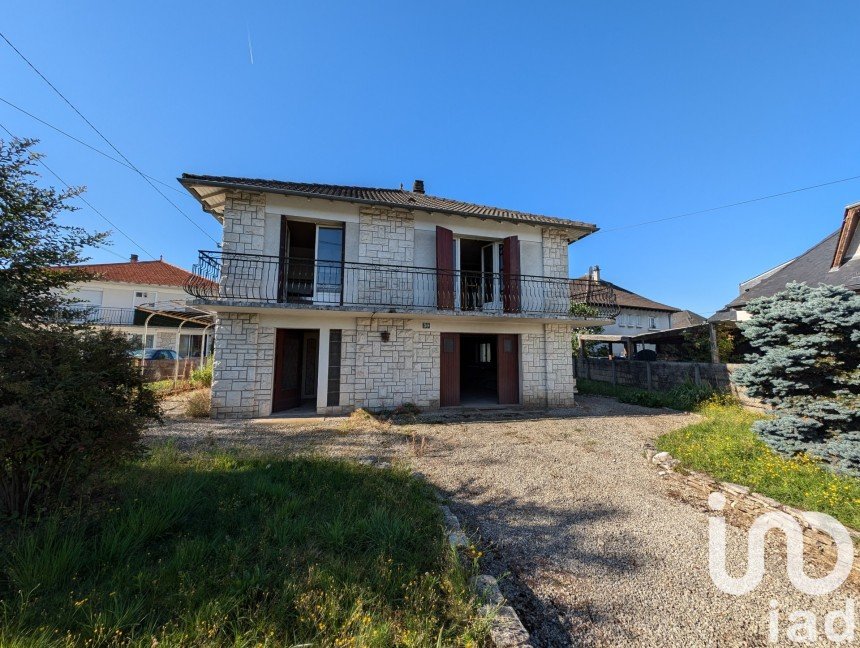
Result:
[
  {"x": 594, "y": 273},
  {"x": 133, "y": 258},
  {"x": 418, "y": 186}
]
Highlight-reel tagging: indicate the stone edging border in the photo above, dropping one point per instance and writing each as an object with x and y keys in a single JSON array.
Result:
[
  {"x": 506, "y": 629},
  {"x": 744, "y": 505}
]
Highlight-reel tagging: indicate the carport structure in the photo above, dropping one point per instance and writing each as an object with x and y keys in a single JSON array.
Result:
[
  {"x": 176, "y": 310},
  {"x": 668, "y": 336}
]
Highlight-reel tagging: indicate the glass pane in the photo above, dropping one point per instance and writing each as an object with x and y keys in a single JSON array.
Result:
[{"x": 329, "y": 257}]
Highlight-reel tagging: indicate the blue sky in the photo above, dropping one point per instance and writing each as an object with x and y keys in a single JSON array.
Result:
[{"x": 613, "y": 113}]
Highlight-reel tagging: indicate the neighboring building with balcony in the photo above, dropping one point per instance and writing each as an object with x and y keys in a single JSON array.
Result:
[
  {"x": 334, "y": 297},
  {"x": 122, "y": 296}
]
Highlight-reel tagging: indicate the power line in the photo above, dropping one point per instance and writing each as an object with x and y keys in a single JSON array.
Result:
[
  {"x": 90, "y": 146},
  {"x": 734, "y": 204},
  {"x": 86, "y": 202},
  {"x": 107, "y": 141}
]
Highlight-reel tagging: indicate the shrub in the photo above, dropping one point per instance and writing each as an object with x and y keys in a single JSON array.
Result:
[
  {"x": 203, "y": 375},
  {"x": 685, "y": 397},
  {"x": 198, "y": 404},
  {"x": 71, "y": 403},
  {"x": 807, "y": 366}
]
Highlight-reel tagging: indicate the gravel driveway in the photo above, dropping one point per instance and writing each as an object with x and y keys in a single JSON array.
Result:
[{"x": 590, "y": 545}]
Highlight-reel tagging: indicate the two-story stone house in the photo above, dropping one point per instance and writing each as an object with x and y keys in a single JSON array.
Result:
[{"x": 336, "y": 297}]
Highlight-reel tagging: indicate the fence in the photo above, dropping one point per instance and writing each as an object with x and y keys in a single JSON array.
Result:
[
  {"x": 662, "y": 376},
  {"x": 154, "y": 370}
]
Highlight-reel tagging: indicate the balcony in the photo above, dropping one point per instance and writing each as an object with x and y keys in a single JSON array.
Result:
[
  {"x": 103, "y": 315},
  {"x": 255, "y": 280}
]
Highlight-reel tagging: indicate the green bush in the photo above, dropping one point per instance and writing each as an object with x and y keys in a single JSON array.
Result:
[
  {"x": 71, "y": 403},
  {"x": 685, "y": 397},
  {"x": 203, "y": 375}
]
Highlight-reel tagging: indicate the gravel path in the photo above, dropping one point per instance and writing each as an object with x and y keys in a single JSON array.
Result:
[{"x": 589, "y": 543}]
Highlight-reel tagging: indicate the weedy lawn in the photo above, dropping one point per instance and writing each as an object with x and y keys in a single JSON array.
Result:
[
  {"x": 724, "y": 446},
  {"x": 220, "y": 550}
]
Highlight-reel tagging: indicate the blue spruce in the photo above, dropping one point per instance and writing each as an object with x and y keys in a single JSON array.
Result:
[{"x": 807, "y": 366}]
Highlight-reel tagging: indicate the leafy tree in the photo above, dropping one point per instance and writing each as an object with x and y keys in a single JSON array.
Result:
[
  {"x": 71, "y": 399},
  {"x": 32, "y": 242},
  {"x": 696, "y": 346},
  {"x": 807, "y": 366}
]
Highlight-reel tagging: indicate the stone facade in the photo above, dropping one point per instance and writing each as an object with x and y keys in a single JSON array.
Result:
[
  {"x": 533, "y": 379},
  {"x": 560, "y": 383},
  {"x": 386, "y": 236},
  {"x": 243, "y": 367},
  {"x": 554, "y": 247}
]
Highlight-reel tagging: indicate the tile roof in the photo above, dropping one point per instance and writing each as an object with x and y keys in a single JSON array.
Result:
[
  {"x": 149, "y": 273},
  {"x": 627, "y": 299},
  {"x": 400, "y": 198}
]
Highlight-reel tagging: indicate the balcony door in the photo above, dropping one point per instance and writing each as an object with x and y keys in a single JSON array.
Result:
[{"x": 310, "y": 268}]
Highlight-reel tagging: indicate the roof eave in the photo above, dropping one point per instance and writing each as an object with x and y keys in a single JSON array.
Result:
[{"x": 188, "y": 183}]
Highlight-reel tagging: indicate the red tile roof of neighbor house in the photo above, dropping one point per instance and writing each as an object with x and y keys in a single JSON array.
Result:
[
  {"x": 627, "y": 299},
  {"x": 150, "y": 273}
]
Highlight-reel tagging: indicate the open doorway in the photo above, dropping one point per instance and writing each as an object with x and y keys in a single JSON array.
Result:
[
  {"x": 296, "y": 369},
  {"x": 480, "y": 264},
  {"x": 479, "y": 362}
]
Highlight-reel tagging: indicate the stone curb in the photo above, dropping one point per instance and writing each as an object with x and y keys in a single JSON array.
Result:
[
  {"x": 745, "y": 503},
  {"x": 506, "y": 629}
]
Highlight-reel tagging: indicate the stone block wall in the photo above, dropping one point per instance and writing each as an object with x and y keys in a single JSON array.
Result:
[
  {"x": 383, "y": 373},
  {"x": 427, "y": 366},
  {"x": 560, "y": 383},
  {"x": 244, "y": 233},
  {"x": 243, "y": 367},
  {"x": 386, "y": 237},
  {"x": 554, "y": 247},
  {"x": 532, "y": 365}
]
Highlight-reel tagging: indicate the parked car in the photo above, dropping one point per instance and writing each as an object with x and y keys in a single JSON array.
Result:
[{"x": 155, "y": 354}]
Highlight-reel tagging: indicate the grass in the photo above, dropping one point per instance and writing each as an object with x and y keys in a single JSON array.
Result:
[
  {"x": 685, "y": 397},
  {"x": 724, "y": 445},
  {"x": 219, "y": 550},
  {"x": 166, "y": 386}
]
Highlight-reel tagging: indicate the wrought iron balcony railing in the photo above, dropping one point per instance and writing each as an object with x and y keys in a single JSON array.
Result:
[
  {"x": 107, "y": 315},
  {"x": 252, "y": 278}
]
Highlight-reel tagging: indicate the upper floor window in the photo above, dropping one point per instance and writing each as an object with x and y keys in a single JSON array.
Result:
[
  {"x": 638, "y": 321},
  {"x": 652, "y": 322}
]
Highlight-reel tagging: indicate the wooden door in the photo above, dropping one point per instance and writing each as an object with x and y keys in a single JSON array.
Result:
[
  {"x": 511, "y": 282},
  {"x": 444, "y": 268},
  {"x": 288, "y": 370},
  {"x": 508, "y": 369},
  {"x": 449, "y": 376}
]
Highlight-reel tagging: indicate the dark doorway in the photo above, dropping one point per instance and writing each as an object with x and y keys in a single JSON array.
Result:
[
  {"x": 479, "y": 363},
  {"x": 296, "y": 366}
]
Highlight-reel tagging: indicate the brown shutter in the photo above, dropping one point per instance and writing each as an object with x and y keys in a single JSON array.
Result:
[
  {"x": 508, "y": 369},
  {"x": 444, "y": 268},
  {"x": 449, "y": 376},
  {"x": 511, "y": 274}
]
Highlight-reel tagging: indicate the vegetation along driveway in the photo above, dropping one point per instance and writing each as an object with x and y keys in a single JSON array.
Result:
[{"x": 589, "y": 543}]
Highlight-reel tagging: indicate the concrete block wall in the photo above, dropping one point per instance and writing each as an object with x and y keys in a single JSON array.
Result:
[{"x": 427, "y": 367}]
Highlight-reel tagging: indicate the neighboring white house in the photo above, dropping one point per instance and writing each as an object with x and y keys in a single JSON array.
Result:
[
  {"x": 638, "y": 314},
  {"x": 117, "y": 291},
  {"x": 335, "y": 297},
  {"x": 833, "y": 261}
]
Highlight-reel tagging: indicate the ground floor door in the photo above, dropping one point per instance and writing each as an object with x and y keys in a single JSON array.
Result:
[
  {"x": 479, "y": 369},
  {"x": 296, "y": 365}
]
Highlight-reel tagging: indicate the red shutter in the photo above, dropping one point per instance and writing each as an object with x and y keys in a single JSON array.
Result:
[
  {"x": 508, "y": 369},
  {"x": 449, "y": 376},
  {"x": 444, "y": 268},
  {"x": 511, "y": 275}
]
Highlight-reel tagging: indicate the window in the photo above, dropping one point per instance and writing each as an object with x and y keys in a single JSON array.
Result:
[
  {"x": 638, "y": 321},
  {"x": 652, "y": 322},
  {"x": 631, "y": 321},
  {"x": 484, "y": 352},
  {"x": 137, "y": 339},
  {"x": 329, "y": 258}
]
